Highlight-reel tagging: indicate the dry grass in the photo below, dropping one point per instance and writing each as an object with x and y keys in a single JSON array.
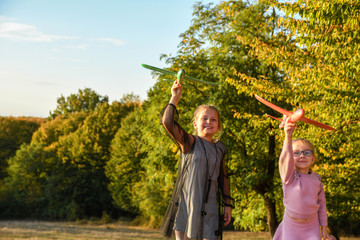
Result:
[
  {"x": 42, "y": 230},
  {"x": 71, "y": 230}
]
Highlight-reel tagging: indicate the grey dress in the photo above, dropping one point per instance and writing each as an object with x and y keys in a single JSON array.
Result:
[{"x": 193, "y": 208}]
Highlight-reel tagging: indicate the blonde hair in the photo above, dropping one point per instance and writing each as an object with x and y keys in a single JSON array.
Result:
[
  {"x": 303, "y": 140},
  {"x": 206, "y": 106}
]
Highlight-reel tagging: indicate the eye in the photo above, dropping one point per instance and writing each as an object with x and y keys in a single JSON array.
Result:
[
  {"x": 297, "y": 153},
  {"x": 308, "y": 153}
]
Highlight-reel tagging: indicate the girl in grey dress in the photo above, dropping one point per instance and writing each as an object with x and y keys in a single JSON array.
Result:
[{"x": 193, "y": 210}]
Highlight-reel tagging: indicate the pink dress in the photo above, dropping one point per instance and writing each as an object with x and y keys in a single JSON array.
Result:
[{"x": 304, "y": 201}]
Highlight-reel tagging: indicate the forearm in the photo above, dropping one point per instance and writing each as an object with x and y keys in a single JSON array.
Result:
[
  {"x": 226, "y": 194},
  {"x": 224, "y": 185},
  {"x": 174, "y": 100},
  {"x": 323, "y": 218},
  {"x": 180, "y": 136},
  {"x": 168, "y": 117},
  {"x": 286, "y": 161}
]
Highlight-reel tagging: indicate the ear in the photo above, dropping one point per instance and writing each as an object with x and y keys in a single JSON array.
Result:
[{"x": 194, "y": 123}]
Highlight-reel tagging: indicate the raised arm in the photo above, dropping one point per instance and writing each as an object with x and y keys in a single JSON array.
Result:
[
  {"x": 184, "y": 139},
  {"x": 286, "y": 160}
]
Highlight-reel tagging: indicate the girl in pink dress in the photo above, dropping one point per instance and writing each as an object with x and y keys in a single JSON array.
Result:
[{"x": 305, "y": 216}]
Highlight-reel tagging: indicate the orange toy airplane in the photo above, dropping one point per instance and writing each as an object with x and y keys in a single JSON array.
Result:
[{"x": 298, "y": 115}]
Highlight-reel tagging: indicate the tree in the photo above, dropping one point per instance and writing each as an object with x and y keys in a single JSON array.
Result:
[
  {"x": 13, "y": 133},
  {"x": 86, "y": 100},
  {"x": 62, "y": 169},
  {"x": 124, "y": 170},
  {"x": 154, "y": 160},
  {"x": 24, "y": 186},
  {"x": 216, "y": 47},
  {"x": 320, "y": 63},
  {"x": 84, "y": 155}
]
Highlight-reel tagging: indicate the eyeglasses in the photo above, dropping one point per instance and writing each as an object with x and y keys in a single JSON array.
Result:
[{"x": 307, "y": 153}]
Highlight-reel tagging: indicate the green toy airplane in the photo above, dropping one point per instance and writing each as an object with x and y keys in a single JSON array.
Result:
[{"x": 180, "y": 75}]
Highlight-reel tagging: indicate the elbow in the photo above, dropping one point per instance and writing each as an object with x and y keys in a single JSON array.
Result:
[{"x": 166, "y": 123}]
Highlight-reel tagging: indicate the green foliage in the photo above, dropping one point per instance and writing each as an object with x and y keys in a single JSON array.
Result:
[
  {"x": 52, "y": 131},
  {"x": 84, "y": 155},
  {"x": 13, "y": 133},
  {"x": 157, "y": 165},
  {"x": 289, "y": 64},
  {"x": 124, "y": 169},
  {"x": 86, "y": 100},
  {"x": 217, "y": 47},
  {"x": 27, "y": 175},
  {"x": 95, "y": 159},
  {"x": 322, "y": 73},
  {"x": 61, "y": 174},
  {"x": 250, "y": 213}
]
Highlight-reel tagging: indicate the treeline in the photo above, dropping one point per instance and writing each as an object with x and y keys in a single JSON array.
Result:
[
  {"x": 15, "y": 131},
  {"x": 92, "y": 157},
  {"x": 60, "y": 173}
]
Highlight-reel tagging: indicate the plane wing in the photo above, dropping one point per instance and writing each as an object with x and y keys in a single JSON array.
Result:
[
  {"x": 273, "y": 106},
  {"x": 175, "y": 74},
  {"x": 159, "y": 70},
  {"x": 202, "y": 81},
  {"x": 316, "y": 123},
  {"x": 289, "y": 114}
]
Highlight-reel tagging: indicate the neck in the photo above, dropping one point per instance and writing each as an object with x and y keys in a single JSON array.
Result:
[
  {"x": 303, "y": 170},
  {"x": 207, "y": 138}
]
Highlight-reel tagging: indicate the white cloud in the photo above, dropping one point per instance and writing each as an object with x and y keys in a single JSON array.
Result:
[
  {"x": 24, "y": 32},
  {"x": 9, "y": 29},
  {"x": 114, "y": 41}
]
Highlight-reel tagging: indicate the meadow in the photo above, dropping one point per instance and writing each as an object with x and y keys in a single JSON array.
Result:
[{"x": 46, "y": 230}]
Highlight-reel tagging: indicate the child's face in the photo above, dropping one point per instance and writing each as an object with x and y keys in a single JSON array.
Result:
[
  {"x": 207, "y": 123},
  {"x": 303, "y": 162}
]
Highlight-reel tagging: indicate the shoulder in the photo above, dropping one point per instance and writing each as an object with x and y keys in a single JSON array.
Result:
[
  {"x": 220, "y": 143},
  {"x": 222, "y": 146},
  {"x": 317, "y": 176}
]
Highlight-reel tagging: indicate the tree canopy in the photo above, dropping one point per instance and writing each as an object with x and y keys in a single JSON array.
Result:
[
  {"x": 85, "y": 100},
  {"x": 15, "y": 131}
]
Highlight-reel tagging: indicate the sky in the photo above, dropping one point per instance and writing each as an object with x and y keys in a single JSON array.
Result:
[{"x": 53, "y": 48}]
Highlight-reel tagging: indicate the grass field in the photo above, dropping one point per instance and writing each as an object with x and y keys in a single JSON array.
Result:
[{"x": 33, "y": 230}]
